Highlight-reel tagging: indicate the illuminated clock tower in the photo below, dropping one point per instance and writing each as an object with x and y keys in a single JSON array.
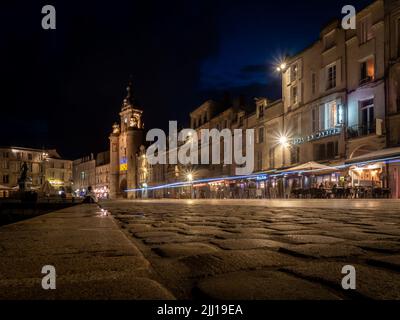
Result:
[{"x": 125, "y": 141}]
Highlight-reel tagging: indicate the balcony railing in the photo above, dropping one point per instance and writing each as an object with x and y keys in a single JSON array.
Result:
[{"x": 361, "y": 130}]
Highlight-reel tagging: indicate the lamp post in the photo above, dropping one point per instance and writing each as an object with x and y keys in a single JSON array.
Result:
[
  {"x": 283, "y": 140},
  {"x": 45, "y": 158}
]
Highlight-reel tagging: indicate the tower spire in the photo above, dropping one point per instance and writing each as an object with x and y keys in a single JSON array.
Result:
[{"x": 129, "y": 99}]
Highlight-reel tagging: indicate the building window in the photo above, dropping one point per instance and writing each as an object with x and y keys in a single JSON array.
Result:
[
  {"x": 6, "y": 155},
  {"x": 19, "y": 155},
  {"x": 320, "y": 151},
  {"x": 367, "y": 116},
  {"x": 314, "y": 119},
  {"x": 326, "y": 151},
  {"x": 294, "y": 72},
  {"x": 261, "y": 135},
  {"x": 261, "y": 111},
  {"x": 364, "y": 30},
  {"x": 331, "y": 115},
  {"x": 295, "y": 125},
  {"x": 367, "y": 71},
  {"x": 6, "y": 179},
  {"x": 329, "y": 40},
  {"x": 331, "y": 77},
  {"x": 313, "y": 83},
  {"x": 30, "y": 156},
  {"x": 294, "y": 155},
  {"x": 294, "y": 95},
  {"x": 272, "y": 158},
  {"x": 259, "y": 161},
  {"x": 5, "y": 165},
  {"x": 330, "y": 150}
]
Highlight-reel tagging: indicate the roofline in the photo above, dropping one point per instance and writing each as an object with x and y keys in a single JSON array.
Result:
[{"x": 325, "y": 26}]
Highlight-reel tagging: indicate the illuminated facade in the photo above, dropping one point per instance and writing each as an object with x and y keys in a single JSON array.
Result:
[
  {"x": 339, "y": 108},
  {"x": 392, "y": 63},
  {"x": 102, "y": 186},
  {"x": 84, "y": 174},
  {"x": 43, "y": 166},
  {"x": 125, "y": 141}
]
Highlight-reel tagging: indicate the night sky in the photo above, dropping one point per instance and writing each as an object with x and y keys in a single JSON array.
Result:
[{"x": 64, "y": 88}]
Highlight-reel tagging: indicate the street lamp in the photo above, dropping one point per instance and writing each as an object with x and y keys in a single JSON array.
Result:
[
  {"x": 190, "y": 179},
  {"x": 283, "y": 140},
  {"x": 281, "y": 67}
]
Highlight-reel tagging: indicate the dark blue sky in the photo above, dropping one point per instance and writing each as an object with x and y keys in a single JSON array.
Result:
[{"x": 64, "y": 88}]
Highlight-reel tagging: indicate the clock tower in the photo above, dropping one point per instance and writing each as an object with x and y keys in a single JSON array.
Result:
[{"x": 125, "y": 141}]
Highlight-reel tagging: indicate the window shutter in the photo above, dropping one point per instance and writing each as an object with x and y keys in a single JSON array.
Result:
[
  {"x": 288, "y": 80},
  {"x": 338, "y": 72},
  {"x": 300, "y": 69},
  {"x": 301, "y": 92},
  {"x": 322, "y": 84},
  {"x": 322, "y": 117}
]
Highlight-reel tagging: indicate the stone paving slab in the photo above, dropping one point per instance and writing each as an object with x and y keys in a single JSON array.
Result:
[
  {"x": 235, "y": 260},
  {"x": 262, "y": 285},
  {"x": 392, "y": 262},
  {"x": 323, "y": 250},
  {"x": 372, "y": 283},
  {"x": 92, "y": 256},
  {"x": 183, "y": 250},
  {"x": 234, "y": 244}
]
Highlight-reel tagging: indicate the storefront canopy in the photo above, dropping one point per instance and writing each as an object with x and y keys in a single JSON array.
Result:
[
  {"x": 311, "y": 166},
  {"x": 382, "y": 155}
]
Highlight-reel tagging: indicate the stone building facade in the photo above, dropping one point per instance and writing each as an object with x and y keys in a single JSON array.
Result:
[
  {"x": 44, "y": 166},
  {"x": 84, "y": 174},
  {"x": 102, "y": 186},
  {"x": 339, "y": 108}
]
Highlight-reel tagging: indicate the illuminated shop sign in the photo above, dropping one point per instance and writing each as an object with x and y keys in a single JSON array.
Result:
[
  {"x": 123, "y": 164},
  {"x": 317, "y": 136},
  {"x": 261, "y": 177},
  {"x": 56, "y": 182}
]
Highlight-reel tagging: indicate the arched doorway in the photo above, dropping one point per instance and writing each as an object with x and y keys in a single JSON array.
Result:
[
  {"x": 362, "y": 150},
  {"x": 367, "y": 174},
  {"x": 122, "y": 188}
]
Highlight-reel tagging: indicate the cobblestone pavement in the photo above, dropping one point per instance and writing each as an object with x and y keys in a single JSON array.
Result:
[
  {"x": 92, "y": 257},
  {"x": 267, "y": 249}
]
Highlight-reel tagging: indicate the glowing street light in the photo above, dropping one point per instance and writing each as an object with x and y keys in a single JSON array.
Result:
[
  {"x": 282, "y": 67},
  {"x": 284, "y": 141},
  {"x": 189, "y": 177}
]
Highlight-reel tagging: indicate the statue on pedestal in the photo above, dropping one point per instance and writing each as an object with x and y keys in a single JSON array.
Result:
[{"x": 23, "y": 177}]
